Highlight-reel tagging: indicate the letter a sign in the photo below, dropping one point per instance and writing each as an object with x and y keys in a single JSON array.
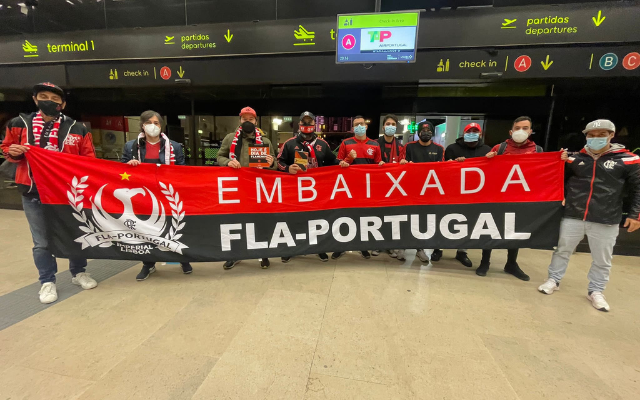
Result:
[
  {"x": 348, "y": 42},
  {"x": 522, "y": 63}
]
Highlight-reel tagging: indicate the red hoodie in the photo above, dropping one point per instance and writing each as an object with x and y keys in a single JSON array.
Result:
[{"x": 527, "y": 147}]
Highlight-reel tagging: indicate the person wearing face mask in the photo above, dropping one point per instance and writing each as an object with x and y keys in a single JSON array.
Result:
[
  {"x": 358, "y": 150},
  {"x": 391, "y": 149},
  {"x": 423, "y": 150},
  {"x": 317, "y": 150},
  {"x": 154, "y": 147},
  {"x": 594, "y": 182},
  {"x": 519, "y": 143},
  {"x": 47, "y": 128},
  {"x": 234, "y": 153},
  {"x": 470, "y": 145}
]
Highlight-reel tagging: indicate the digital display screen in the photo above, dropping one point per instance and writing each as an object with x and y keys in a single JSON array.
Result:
[{"x": 377, "y": 38}]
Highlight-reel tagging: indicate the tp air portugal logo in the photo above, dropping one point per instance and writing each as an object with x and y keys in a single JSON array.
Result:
[{"x": 128, "y": 232}]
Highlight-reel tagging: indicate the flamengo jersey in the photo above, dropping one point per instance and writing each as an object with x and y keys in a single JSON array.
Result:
[{"x": 367, "y": 150}]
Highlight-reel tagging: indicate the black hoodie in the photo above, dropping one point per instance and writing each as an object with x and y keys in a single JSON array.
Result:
[{"x": 460, "y": 149}]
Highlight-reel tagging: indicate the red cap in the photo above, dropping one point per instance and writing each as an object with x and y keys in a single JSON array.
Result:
[
  {"x": 472, "y": 125},
  {"x": 248, "y": 110}
]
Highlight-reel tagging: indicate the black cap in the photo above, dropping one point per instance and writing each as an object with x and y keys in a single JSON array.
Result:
[
  {"x": 423, "y": 123},
  {"x": 307, "y": 114},
  {"x": 48, "y": 87}
]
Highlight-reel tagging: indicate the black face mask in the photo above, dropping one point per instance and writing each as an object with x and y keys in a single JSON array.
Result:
[
  {"x": 307, "y": 137},
  {"x": 425, "y": 136},
  {"x": 248, "y": 127},
  {"x": 50, "y": 108}
]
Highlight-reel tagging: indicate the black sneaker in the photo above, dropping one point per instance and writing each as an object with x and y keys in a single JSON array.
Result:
[
  {"x": 337, "y": 255},
  {"x": 323, "y": 257},
  {"x": 186, "y": 268},
  {"x": 514, "y": 269},
  {"x": 365, "y": 254},
  {"x": 230, "y": 264},
  {"x": 285, "y": 259},
  {"x": 483, "y": 269},
  {"x": 464, "y": 260},
  {"x": 437, "y": 254},
  {"x": 264, "y": 263},
  {"x": 145, "y": 272}
]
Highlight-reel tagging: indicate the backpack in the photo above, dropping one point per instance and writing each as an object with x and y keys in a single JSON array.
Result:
[{"x": 503, "y": 147}]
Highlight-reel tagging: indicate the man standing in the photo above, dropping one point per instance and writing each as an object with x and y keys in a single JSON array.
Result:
[
  {"x": 593, "y": 206},
  {"x": 49, "y": 129},
  {"x": 470, "y": 145},
  {"x": 391, "y": 150},
  {"x": 154, "y": 147},
  {"x": 317, "y": 152},
  {"x": 234, "y": 153},
  {"x": 422, "y": 151},
  {"x": 358, "y": 150},
  {"x": 519, "y": 143}
]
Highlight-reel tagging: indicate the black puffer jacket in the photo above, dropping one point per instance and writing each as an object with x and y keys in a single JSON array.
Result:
[
  {"x": 460, "y": 149},
  {"x": 594, "y": 186}
]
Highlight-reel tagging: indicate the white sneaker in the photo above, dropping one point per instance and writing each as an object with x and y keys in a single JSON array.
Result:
[
  {"x": 48, "y": 293},
  {"x": 422, "y": 256},
  {"x": 85, "y": 280},
  {"x": 549, "y": 286},
  {"x": 400, "y": 255},
  {"x": 598, "y": 301},
  {"x": 392, "y": 253},
  {"x": 375, "y": 253}
]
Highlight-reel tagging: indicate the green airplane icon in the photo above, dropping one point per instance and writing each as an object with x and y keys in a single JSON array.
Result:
[{"x": 303, "y": 33}]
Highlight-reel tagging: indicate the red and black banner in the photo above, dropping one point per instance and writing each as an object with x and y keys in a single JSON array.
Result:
[{"x": 104, "y": 209}]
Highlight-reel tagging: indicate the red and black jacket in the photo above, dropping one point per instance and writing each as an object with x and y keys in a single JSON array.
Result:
[
  {"x": 367, "y": 150},
  {"x": 594, "y": 187},
  {"x": 73, "y": 138},
  {"x": 323, "y": 153}
]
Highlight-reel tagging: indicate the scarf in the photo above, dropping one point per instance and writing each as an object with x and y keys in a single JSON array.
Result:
[
  {"x": 393, "y": 154},
  {"x": 38, "y": 126},
  {"x": 313, "y": 161},
  {"x": 236, "y": 144},
  {"x": 169, "y": 155}
]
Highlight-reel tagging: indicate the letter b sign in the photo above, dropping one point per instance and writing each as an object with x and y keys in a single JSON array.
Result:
[{"x": 608, "y": 61}]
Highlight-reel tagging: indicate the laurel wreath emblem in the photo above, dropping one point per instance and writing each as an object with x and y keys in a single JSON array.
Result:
[
  {"x": 176, "y": 211},
  {"x": 76, "y": 200}
]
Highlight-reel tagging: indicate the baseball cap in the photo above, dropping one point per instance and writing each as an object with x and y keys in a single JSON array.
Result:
[
  {"x": 472, "y": 125},
  {"x": 424, "y": 122},
  {"x": 307, "y": 114},
  {"x": 248, "y": 110},
  {"x": 600, "y": 124},
  {"x": 48, "y": 87}
]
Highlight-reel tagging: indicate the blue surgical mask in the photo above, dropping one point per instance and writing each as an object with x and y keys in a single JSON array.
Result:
[
  {"x": 389, "y": 130},
  {"x": 471, "y": 137},
  {"x": 597, "y": 143},
  {"x": 360, "y": 130}
]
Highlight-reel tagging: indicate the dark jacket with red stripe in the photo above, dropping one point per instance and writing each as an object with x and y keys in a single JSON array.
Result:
[
  {"x": 594, "y": 186},
  {"x": 323, "y": 153},
  {"x": 367, "y": 151},
  {"x": 73, "y": 138}
]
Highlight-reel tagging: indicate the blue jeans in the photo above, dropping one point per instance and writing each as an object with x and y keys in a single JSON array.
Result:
[{"x": 44, "y": 260}]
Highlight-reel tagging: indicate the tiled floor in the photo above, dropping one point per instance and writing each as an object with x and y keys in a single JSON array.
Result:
[{"x": 352, "y": 329}]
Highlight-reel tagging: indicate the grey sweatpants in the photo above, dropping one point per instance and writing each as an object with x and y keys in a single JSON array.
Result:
[{"x": 601, "y": 238}]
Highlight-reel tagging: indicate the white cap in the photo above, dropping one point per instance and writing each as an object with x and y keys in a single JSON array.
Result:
[{"x": 600, "y": 124}]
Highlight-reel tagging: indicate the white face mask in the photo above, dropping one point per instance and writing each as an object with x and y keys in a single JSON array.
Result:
[
  {"x": 152, "y": 130},
  {"x": 519, "y": 136}
]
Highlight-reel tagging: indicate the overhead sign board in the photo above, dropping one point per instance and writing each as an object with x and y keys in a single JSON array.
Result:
[
  {"x": 612, "y": 22},
  {"x": 377, "y": 38}
]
